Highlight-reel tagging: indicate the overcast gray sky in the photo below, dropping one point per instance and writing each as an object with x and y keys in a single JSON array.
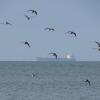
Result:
[{"x": 80, "y": 16}]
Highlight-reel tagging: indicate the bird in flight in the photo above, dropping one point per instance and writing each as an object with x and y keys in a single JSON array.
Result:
[
  {"x": 54, "y": 54},
  {"x": 34, "y": 75},
  {"x": 26, "y": 43},
  {"x": 98, "y": 46},
  {"x": 28, "y": 18},
  {"x": 71, "y": 32},
  {"x": 50, "y": 29},
  {"x": 6, "y": 23},
  {"x": 88, "y": 81},
  {"x": 33, "y": 11}
]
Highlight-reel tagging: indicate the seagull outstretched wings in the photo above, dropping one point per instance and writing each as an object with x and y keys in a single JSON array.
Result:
[
  {"x": 54, "y": 54},
  {"x": 71, "y": 32}
]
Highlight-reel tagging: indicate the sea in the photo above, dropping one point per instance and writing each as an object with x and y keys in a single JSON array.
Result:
[{"x": 34, "y": 80}]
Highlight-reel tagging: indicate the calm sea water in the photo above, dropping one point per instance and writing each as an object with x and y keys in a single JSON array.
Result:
[{"x": 49, "y": 80}]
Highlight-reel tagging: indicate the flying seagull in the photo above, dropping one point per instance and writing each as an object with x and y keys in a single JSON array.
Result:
[
  {"x": 54, "y": 54},
  {"x": 34, "y": 75},
  {"x": 98, "y": 44},
  {"x": 33, "y": 11},
  {"x": 71, "y": 32},
  {"x": 28, "y": 18},
  {"x": 26, "y": 43},
  {"x": 88, "y": 81},
  {"x": 50, "y": 29},
  {"x": 6, "y": 23}
]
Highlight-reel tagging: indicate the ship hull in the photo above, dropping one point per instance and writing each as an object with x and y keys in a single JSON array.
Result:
[{"x": 54, "y": 59}]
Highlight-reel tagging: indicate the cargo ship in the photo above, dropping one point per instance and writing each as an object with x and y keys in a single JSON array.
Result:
[{"x": 67, "y": 58}]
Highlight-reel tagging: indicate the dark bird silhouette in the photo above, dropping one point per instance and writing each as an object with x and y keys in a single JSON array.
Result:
[
  {"x": 26, "y": 43},
  {"x": 87, "y": 81},
  {"x": 6, "y": 23},
  {"x": 54, "y": 54},
  {"x": 33, "y": 11},
  {"x": 34, "y": 75},
  {"x": 28, "y": 18},
  {"x": 98, "y": 44},
  {"x": 71, "y": 32},
  {"x": 50, "y": 29}
]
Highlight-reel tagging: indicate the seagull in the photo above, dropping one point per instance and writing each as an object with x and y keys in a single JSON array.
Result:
[
  {"x": 54, "y": 54},
  {"x": 71, "y": 32},
  {"x": 34, "y": 75},
  {"x": 87, "y": 81},
  {"x": 33, "y": 11},
  {"x": 6, "y": 23},
  {"x": 26, "y": 43},
  {"x": 98, "y": 46},
  {"x": 28, "y": 18},
  {"x": 50, "y": 29}
]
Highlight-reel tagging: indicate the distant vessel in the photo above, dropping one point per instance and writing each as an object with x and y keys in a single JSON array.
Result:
[{"x": 68, "y": 58}]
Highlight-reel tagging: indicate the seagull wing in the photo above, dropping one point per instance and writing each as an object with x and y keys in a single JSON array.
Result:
[
  {"x": 68, "y": 32},
  {"x": 98, "y": 44},
  {"x": 74, "y": 33},
  {"x": 27, "y": 44},
  {"x": 71, "y": 32},
  {"x": 8, "y": 23},
  {"x": 35, "y": 12},
  {"x": 30, "y": 10},
  {"x": 54, "y": 54},
  {"x": 53, "y": 29},
  {"x": 51, "y": 53},
  {"x": 27, "y": 17}
]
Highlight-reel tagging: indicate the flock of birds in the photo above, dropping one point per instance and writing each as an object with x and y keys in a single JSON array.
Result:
[
  {"x": 49, "y": 29},
  {"x": 28, "y": 17},
  {"x": 34, "y": 12}
]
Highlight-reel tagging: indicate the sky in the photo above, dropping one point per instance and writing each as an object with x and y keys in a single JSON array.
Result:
[{"x": 80, "y": 16}]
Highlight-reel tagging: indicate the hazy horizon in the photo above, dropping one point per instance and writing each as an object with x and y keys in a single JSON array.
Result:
[{"x": 79, "y": 16}]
